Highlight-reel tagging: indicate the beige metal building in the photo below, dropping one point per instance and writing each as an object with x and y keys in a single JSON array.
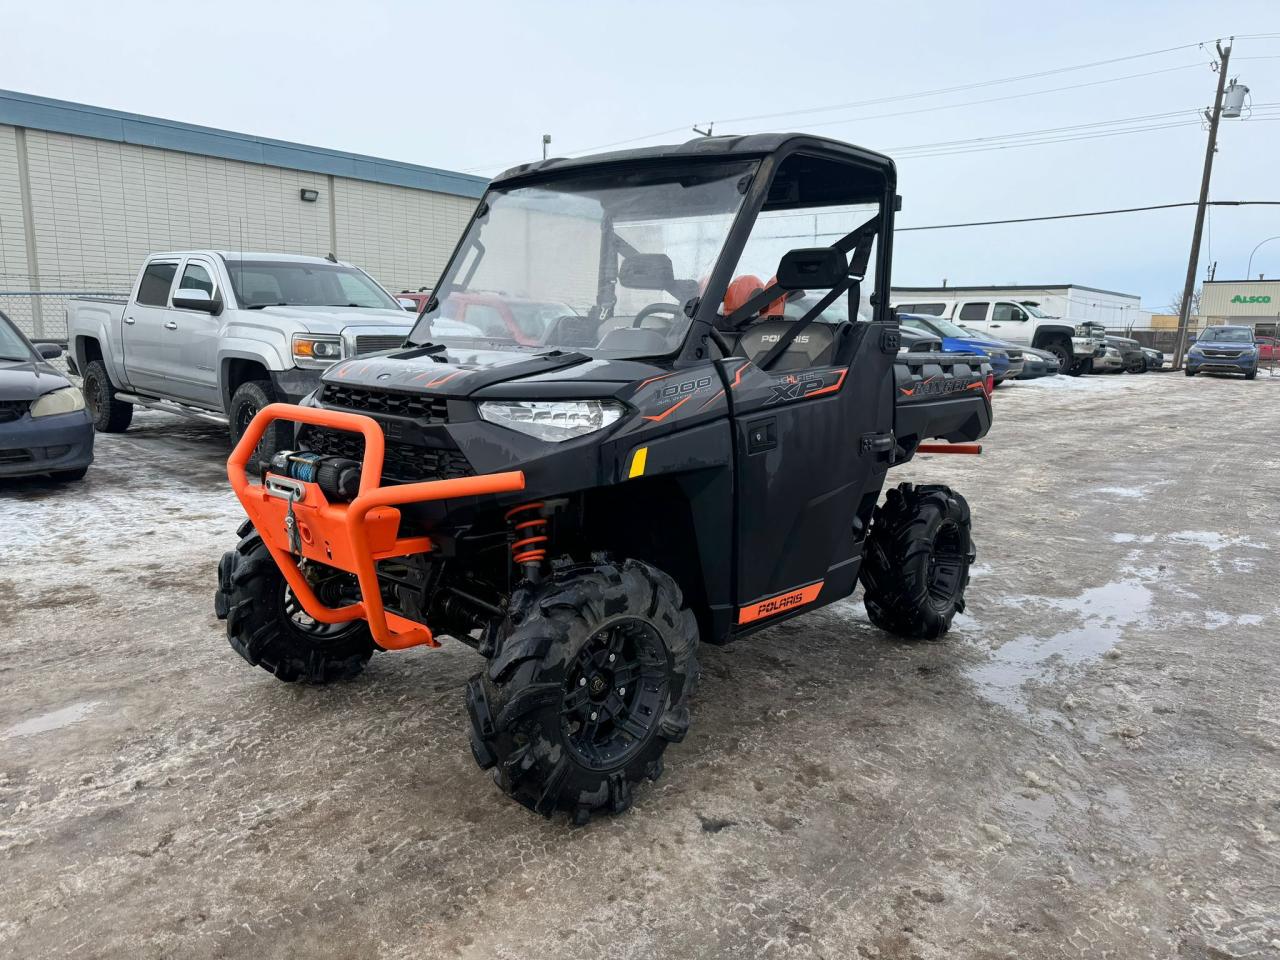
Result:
[
  {"x": 87, "y": 193},
  {"x": 1255, "y": 303}
]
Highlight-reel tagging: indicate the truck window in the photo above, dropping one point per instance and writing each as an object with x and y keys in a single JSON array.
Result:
[
  {"x": 1009, "y": 312},
  {"x": 973, "y": 311},
  {"x": 929, "y": 309},
  {"x": 196, "y": 277},
  {"x": 157, "y": 278}
]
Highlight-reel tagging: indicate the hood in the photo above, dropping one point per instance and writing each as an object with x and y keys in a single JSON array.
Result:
[
  {"x": 28, "y": 379},
  {"x": 1226, "y": 344},
  {"x": 335, "y": 319},
  {"x": 495, "y": 374}
]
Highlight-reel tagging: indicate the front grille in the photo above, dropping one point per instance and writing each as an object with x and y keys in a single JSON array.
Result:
[
  {"x": 1223, "y": 354},
  {"x": 363, "y": 400},
  {"x": 15, "y": 456},
  {"x": 1015, "y": 355},
  {"x": 403, "y": 462},
  {"x": 375, "y": 342},
  {"x": 11, "y": 410}
]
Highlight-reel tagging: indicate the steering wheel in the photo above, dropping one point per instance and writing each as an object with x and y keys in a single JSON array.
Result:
[{"x": 646, "y": 312}]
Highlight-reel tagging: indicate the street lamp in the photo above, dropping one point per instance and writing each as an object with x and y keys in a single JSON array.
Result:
[{"x": 1248, "y": 271}]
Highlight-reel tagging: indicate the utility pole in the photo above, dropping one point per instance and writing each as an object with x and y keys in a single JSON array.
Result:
[
  {"x": 1188, "y": 289},
  {"x": 546, "y": 142}
]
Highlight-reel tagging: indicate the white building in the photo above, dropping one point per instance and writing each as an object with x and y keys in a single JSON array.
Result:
[
  {"x": 1121, "y": 312},
  {"x": 87, "y": 193}
]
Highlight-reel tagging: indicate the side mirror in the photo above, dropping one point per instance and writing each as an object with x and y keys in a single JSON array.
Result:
[
  {"x": 812, "y": 268},
  {"x": 407, "y": 304},
  {"x": 647, "y": 271},
  {"x": 194, "y": 299},
  {"x": 48, "y": 351}
]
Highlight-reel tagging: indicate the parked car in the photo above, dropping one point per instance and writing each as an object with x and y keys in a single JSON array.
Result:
[
  {"x": 1154, "y": 358},
  {"x": 1131, "y": 355},
  {"x": 1073, "y": 342},
  {"x": 418, "y": 299},
  {"x": 44, "y": 427},
  {"x": 1111, "y": 361},
  {"x": 501, "y": 317},
  {"x": 916, "y": 341},
  {"x": 1268, "y": 349},
  {"x": 220, "y": 335},
  {"x": 1226, "y": 349},
  {"x": 1006, "y": 362},
  {"x": 1038, "y": 363}
]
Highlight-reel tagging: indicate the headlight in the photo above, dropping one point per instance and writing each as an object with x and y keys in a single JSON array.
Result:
[
  {"x": 316, "y": 350},
  {"x": 552, "y": 420},
  {"x": 1082, "y": 330},
  {"x": 66, "y": 400},
  {"x": 1195, "y": 348}
]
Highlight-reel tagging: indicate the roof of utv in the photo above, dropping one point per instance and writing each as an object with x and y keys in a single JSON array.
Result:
[{"x": 701, "y": 148}]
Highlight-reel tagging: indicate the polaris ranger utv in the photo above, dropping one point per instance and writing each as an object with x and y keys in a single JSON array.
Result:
[{"x": 686, "y": 453}]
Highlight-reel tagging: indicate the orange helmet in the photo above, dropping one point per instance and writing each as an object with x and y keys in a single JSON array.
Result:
[
  {"x": 740, "y": 290},
  {"x": 778, "y": 307}
]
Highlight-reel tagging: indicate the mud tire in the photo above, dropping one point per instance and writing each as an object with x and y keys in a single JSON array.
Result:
[
  {"x": 522, "y": 706},
  {"x": 917, "y": 561},
  {"x": 252, "y": 598}
]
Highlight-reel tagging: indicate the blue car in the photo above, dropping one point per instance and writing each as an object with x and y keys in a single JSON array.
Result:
[
  {"x": 1224, "y": 350},
  {"x": 1006, "y": 361}
]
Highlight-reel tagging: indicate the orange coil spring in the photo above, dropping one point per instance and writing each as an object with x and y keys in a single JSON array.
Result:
[{"x": 529, "y": 545}]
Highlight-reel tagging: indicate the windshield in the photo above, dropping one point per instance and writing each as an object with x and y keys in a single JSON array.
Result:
[
  {"x": 13, "y": 346},
  {"x": 1227, "y": 334},
  {"x": 1035, "y": 311},
  {"x": 602, "y": 263},
  {"x": 266, "y": 283},
  {"x": 944, "y": 327}
]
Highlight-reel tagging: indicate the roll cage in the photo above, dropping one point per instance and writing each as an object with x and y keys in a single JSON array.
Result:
[{"x": 793, "y": 172}]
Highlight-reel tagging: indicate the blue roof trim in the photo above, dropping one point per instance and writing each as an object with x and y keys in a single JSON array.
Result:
[{"x": 61, "y": 116}]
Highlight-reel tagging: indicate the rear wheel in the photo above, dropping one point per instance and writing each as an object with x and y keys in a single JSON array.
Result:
[
  {"x": 589, "y": 681},
  {"x": 917, "y": 561},
  {"x": 109, "y": 415},
  {"x": 268, "y": 627}
]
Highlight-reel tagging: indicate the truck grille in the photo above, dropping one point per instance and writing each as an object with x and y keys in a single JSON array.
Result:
[
  {"x": 11, "y": 410},
  {"x": 375, "y": 342},
  {"x": 364, "y": 400},
  {"x": 403, "y": 462}
]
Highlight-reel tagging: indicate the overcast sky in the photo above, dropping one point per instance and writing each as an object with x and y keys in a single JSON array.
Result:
[{"x": 473, "y": 86}]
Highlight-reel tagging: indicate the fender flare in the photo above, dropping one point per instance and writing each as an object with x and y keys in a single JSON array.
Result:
[
  {"x": 1048, "y": 332},
  {"x": 248, "y": 350}
]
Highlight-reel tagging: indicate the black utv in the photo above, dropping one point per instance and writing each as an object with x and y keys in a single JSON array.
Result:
[{"x": 650, "y": 403}]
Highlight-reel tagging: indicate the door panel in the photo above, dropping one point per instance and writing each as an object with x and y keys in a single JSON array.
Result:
[
  {"x": 194, "y": 373},
  {"x": 143, "y": 332},
  {"x": 802, "y": 475},
  {"x": 973, "y": 314},
  {"x": 1010, "y": 322}
]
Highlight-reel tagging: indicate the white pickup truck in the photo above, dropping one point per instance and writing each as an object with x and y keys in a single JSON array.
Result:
[
  {"x": 220, "y": 335},
  {"x": 1074, "y": 342}
]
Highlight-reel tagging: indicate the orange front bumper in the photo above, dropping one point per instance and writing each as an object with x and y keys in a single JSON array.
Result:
[{"x": 348, "y": 536}]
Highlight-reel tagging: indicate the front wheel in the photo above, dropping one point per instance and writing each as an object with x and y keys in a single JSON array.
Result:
[
  {"x": 1189, "y": 372},
  {"x": 917, "y": 561},
  {"x": 589, "y": 682},
  {"x": 246, "y": 403},
  {"x": 1252, "y": 374},
  {"x": 268, "y": 627}
]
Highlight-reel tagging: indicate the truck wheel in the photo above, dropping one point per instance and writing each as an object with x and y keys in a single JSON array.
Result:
[
  {"x": 246, "y": 403},
  {"x": 589, "y": 681},
  {"x": 1062, "y": 350},
  {"x": 917, "y": 561},
  {"x": 109, "y": 414},
  {"x": 268, "y": 627}
]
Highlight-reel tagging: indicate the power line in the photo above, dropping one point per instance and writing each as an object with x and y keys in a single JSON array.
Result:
[
  {"x": 897, "y": 98},
  {"x": 1090, "y": 213}
]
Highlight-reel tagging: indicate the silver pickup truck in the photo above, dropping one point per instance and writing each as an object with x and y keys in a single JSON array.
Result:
[{"x": 220, "y": 335}]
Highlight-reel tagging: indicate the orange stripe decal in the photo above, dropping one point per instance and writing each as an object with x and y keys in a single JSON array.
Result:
[
  {"x": 779, "y": 604},
  {"x": 831, "y": 389}
]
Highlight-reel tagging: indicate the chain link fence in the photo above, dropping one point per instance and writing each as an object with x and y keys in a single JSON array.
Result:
[{"x": 42, "y": 314}]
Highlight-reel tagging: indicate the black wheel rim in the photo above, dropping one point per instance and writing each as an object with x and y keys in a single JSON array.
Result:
[
  {"x": 333, "y": 588},
  {"x": 244, "y": 417},
  {"x": 91, "y": 398},
  {"x": 946, "y": 567},
  {"x": 615, "y": 693}
]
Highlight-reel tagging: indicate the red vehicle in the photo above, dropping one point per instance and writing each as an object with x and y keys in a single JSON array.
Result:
[
  {"x": 506, "y": 318},
  {"x": 1267, "y": 349}
]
